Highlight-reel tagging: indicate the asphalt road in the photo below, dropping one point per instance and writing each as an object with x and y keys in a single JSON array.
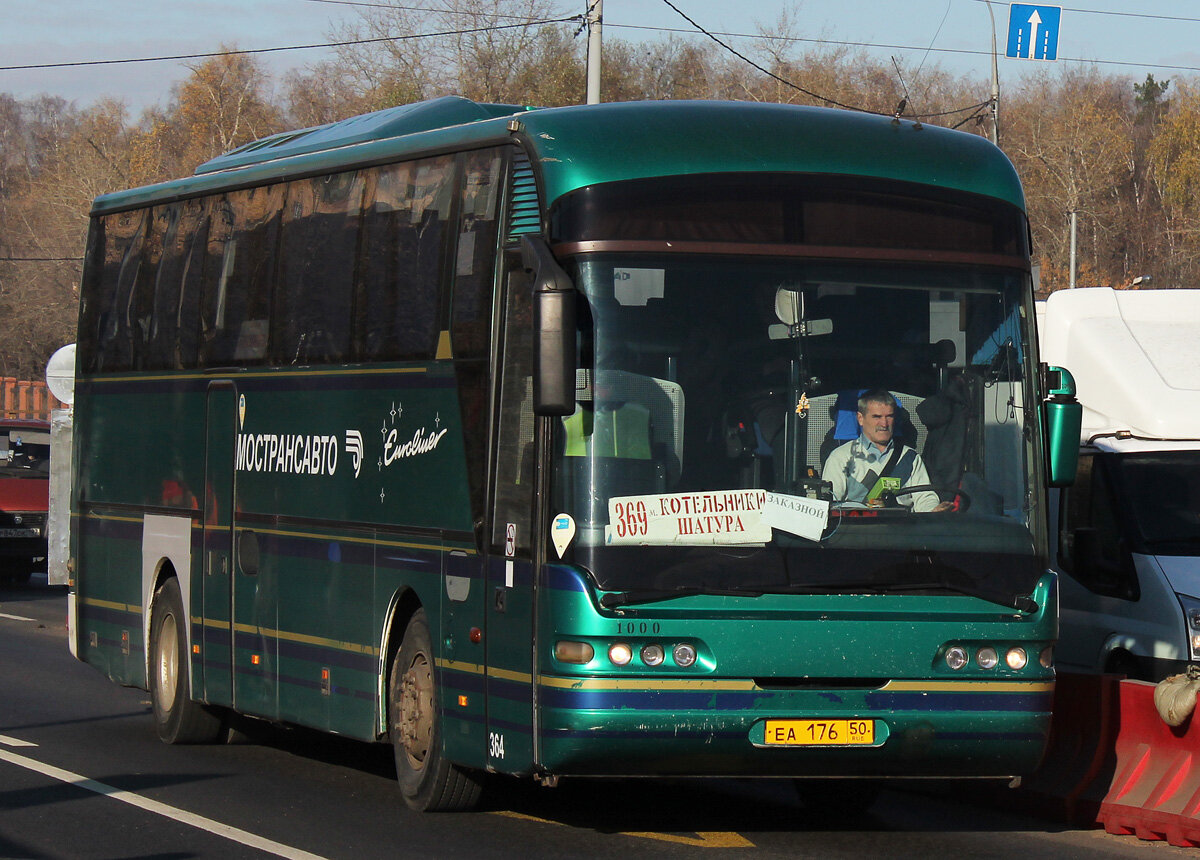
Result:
[{"x": 82, "y": 776}]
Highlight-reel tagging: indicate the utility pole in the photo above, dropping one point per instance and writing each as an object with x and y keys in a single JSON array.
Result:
[
  {"x": 1074, "y": 231},
  {"x": 995, "y": 82},
  {"x": 595, "y": 15}
]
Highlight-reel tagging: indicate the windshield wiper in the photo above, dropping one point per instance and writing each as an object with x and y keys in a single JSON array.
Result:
[
  {"x": 1020, "y": 602},
  {"x": 626, "y": 598}
]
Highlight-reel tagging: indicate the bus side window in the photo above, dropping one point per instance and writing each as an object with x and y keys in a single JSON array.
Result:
[
  {"x": 171, "y": 344},
  {"x": 475, "y": 258},
  {"x": 471, "y": 307},
  {"x": 405, "y": 213},
  {"x": 311, "y": 319},
  {"x": 238, "y": 277},
  {"x": 124, "y": 238},
  {"x": 514, "y": 455},
  {"x": 139, "y": 307},
  {"x": 95, "y": 296}
]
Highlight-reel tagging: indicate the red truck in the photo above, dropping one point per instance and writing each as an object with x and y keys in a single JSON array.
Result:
[{"x": 24, "y": 497}]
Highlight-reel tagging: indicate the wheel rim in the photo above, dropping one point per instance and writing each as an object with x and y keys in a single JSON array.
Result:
[
  {"x": 416, "y": 711},
  {"x": 168, "y": 663}
]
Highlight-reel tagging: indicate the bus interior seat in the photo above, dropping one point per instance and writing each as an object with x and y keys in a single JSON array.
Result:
[{"x": 947, "y": 416}]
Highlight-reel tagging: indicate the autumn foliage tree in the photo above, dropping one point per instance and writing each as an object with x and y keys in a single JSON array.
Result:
[{"x": 1123, "y": 155}]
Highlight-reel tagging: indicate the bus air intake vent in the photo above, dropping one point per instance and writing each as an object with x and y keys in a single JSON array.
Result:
[{"x": 524, "y": 215}]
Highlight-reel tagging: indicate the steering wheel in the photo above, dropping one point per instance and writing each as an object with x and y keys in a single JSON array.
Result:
[{"x": 959, "y": 493}]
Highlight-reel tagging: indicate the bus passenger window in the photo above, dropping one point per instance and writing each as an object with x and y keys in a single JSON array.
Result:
[
  {"x": 476, "y": 253},
  {"x": 172, "y": 337},
  {"x": 401, "y": 271},
  {"x": 312, "y": 313},
  {"x": 238, "y": 275},
  {"x": 124, "y": 238}
]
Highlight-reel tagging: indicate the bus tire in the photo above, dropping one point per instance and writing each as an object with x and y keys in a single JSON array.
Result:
[
  {"x": 177, "y": 718},
  {"x": 428, "y": 782}
]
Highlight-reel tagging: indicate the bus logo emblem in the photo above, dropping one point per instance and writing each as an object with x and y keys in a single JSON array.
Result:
[{"x": 354, "y": 447}]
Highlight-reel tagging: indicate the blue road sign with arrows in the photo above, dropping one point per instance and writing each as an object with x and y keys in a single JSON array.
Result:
[{"x": 1033, "y": 31}]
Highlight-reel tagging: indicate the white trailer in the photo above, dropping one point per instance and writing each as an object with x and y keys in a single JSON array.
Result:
[{"x": 1126, "y": 536}]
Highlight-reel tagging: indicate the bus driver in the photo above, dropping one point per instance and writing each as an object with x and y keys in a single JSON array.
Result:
[{"x": 861, "y": 468}]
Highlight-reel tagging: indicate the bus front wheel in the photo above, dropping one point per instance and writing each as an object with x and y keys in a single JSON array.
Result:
[
  {"x": 178, "y": 719},
  {"x": 428, "y": 782}
]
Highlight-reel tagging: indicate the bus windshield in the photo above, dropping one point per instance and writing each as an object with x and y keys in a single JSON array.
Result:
[{"x": 706, "y": 383}]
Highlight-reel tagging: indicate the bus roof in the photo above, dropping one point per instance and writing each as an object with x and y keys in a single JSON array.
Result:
[{"x": 588, "y": 144}]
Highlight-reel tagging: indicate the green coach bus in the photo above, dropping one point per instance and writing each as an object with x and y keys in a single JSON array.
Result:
[{"x": 497, "y": 434}]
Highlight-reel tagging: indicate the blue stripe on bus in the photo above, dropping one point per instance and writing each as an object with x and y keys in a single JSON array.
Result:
[
  {"x": 564, "y": 579},
  {"x": 626, "y": 734},
  {"x": 915, "y": 702}
]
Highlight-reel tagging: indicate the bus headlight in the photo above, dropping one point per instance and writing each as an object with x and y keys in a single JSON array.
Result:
[
  {"x": 684, "y": 654},
  {"x": 1016, "y": 658},
  {"x": 653, "y": 655},
  {"x": 620, "y": 653},
  {"x": 987, "y": 658},
  {"x": 1047, "y": 657},
  {"x": 956, "y": 657}
]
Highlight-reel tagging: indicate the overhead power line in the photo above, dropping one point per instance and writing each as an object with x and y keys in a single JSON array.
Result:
[
  {"x": 1120, "y": 14},
  {"x": 744, "y": 58},
  {"x": 842, "y": 43},
  {"x": 426, "y": 9},
  {"x": 236, "y": 52},
  {"x": 826, "y": 99},
  {"x": 613, "y": 25}
]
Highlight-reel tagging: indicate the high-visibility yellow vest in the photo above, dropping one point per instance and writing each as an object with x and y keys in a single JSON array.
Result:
[{"x": 622, "y": 432}]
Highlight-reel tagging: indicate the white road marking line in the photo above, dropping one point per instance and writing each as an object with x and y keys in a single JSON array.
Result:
[
  {"x": 198, "y": 821},
  {"x": 15, "y": 742},
  {"x": 16, "y": 617}
]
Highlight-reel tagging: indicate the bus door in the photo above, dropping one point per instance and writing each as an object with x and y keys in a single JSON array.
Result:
[
  {"x": 216, "y": 641},
  {"x": 509, "y": 570}
]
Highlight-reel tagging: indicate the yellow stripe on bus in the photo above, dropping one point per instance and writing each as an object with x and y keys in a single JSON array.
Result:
[
  {"x": 273, "y": 374},
  {"x": 109, "y": 604}
]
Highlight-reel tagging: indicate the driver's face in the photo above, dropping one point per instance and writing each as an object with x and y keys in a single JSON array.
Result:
[{"x": 878, "y": 422}]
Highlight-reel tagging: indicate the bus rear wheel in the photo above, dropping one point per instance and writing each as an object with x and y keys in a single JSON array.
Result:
[
  {"x": 427, "y": 780},
  {"x": 177, "y": 718}
]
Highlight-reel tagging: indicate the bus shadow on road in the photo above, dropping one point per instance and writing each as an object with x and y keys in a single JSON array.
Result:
[
  {"x": 34, "y": 591},
  {"x": 688, "y": 806}
]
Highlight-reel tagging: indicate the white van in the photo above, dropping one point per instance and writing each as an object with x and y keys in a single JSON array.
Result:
[{"x": 1125, "y": 538}]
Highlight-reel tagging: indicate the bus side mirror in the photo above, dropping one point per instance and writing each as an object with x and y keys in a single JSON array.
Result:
[
  {"x": 554, "y": 330},
  {"x": 1062, "y": 417}
]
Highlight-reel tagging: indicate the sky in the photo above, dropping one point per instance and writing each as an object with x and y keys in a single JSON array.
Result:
[{"x": 1124, "y": 37}]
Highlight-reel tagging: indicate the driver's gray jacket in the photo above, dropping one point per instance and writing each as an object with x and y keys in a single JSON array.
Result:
[{"x": 848, "y": 465}]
